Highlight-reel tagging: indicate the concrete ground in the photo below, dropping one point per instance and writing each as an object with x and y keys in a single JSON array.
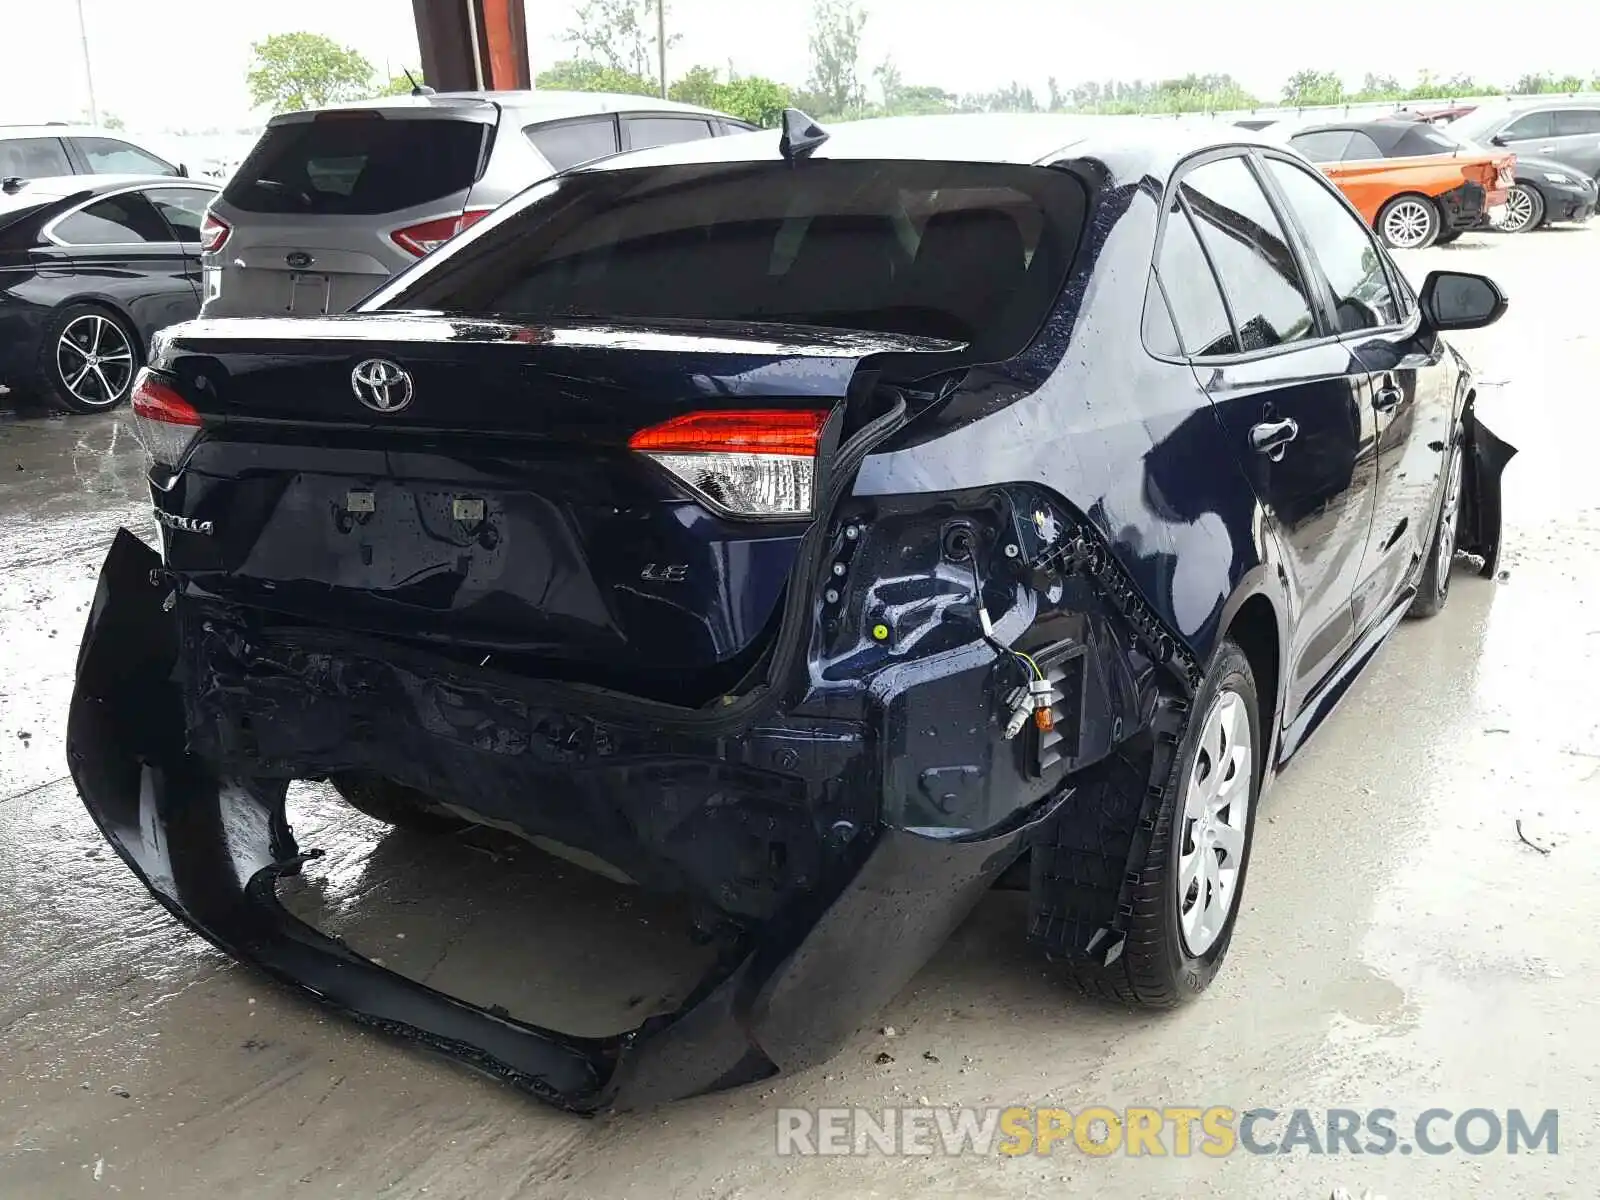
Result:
[{"x": 1401, "y": 947}]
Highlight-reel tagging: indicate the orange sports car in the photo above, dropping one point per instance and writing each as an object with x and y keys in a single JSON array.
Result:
[{"x": 1413, "y": 182}]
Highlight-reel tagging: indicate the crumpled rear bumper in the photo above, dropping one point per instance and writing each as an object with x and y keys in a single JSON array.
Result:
[{"x": 211, "y": 849}]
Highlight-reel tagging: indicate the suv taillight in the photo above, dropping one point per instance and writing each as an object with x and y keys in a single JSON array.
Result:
[
  {"x": 163, "y": 421},
  {"x": 747, "y": 462},
  {"x": 427, "y": 236},
  {"x": 213, "y": 232}
]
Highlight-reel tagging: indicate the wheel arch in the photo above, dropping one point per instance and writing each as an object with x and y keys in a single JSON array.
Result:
[
  {"x": 101, "y": 300},
  {"x": 1254, "y": 620}
]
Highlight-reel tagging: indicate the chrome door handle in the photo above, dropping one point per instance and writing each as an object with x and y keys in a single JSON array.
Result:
[
  {"x": 1271, "y": 437},
  {"x": 1386, "y": 399}
]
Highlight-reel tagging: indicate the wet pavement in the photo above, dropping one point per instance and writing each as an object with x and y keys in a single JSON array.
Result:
[{"x": 1401, "y": 947}]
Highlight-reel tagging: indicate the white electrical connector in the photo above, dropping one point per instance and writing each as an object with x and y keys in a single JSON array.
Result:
[{"x": 1021, "y": 704}]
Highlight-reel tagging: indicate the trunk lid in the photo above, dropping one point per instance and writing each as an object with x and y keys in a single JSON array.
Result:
[{"x": 494, "y": 506}]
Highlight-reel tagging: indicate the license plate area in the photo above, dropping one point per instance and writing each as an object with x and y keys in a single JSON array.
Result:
[{"x": 308, "y": 293}]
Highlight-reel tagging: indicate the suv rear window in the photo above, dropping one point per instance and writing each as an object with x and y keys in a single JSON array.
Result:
[
  {"x": 968, "y": 251},
  {"x": 357, "y": 165}
]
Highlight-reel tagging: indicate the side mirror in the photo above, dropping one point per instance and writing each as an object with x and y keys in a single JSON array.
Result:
[
  {"x": 183, "y": 170},
  {"x": 1499, "y": 139},
  {"x": 1457, "y": 300}
]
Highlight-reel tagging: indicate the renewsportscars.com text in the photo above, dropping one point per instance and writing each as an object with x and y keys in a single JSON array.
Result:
[{"x": 1136, "y": 1131}]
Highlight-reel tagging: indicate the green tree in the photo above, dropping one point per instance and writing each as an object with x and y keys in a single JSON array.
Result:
[
  {"x": 1533, "y": 85},
  {"x": 1013, "y": 98},
  {"x": 699, "y": 85},
  {"x": 754, "y": 99},
  {"x": 1314, "y": 87},
  {"x": 835, "y": 80},
  {"x": 1379, "y": 87},
  {"x": 619, "y": 34},
  {"x": 576, "y": 76},
  {"x": 293, "y": 71},
  {"x": 901, "y": 99},
  {"x": 401, "y": 85}
]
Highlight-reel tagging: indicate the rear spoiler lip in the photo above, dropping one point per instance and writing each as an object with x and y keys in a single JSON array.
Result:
[{"x": 397, "y": 328}]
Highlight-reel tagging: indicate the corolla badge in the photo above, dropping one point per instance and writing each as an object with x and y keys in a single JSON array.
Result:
[{"x": 381, "y": 385}]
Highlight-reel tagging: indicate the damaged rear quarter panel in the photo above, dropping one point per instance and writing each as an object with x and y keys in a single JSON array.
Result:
[{"x": 1125, "y": 439}]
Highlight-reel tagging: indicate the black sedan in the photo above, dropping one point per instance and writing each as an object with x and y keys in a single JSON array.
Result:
[
  {"x": 90, "y": 267},
  {"x": 1548, "y": 192},
  {"x": 820, "y": 527}
]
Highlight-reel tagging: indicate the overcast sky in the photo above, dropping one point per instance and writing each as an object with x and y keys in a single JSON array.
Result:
[{"x": 161, "y": 64}]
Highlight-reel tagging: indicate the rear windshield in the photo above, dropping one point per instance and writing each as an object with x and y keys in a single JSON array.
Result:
[
  {"x": 357, "y": 165},
  {"x": 969, "y": 251}
]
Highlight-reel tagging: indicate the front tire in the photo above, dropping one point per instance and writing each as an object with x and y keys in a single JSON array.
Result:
[
  {"x": 1183, "y": 890},
  {"x": 87, "y": 359},
  {"x": 1524, "y": 210},
  {"x": 1434, "y": 587},
  {"x": 1409, "y": 223}
]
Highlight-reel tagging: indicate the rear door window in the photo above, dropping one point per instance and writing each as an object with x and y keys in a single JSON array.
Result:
[
  {"x": 33, "y": 158},
  {"x": 358, "y": 164},
  {"x": 1251, "y": 252},
  {"x": 644, "y": 132},
  {"x": 1530, "y": 125},
  {"x": 183, "y": 208},
  {"x": 1570, "y": 122},
  {"x": 110, "y": 156},
  {"x": 122, "y": 220},
  {"x": 1191, "y": 291},
  {"x": 572, "y": 142},
  {"x": 972, "y": 252}
]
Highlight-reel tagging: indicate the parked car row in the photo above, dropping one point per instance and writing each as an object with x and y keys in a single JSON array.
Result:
[
  {"x": 331, "y": 203},
  {"x": 326, "y": 206},
  {"x": 1426, "y": 176},
  {"x": 90, "y": 268}
]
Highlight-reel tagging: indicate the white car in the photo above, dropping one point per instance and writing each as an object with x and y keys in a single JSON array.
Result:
[{"x": 47, "y": 151}]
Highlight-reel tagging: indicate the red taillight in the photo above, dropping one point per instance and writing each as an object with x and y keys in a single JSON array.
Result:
[
  {"x": 746, "y": 430},
  {"x": 747, "y": 462},
  {"x": 427, "y": 236},
  {"x": 164, "y": 422},
  {"x": 213, "y": 232}
]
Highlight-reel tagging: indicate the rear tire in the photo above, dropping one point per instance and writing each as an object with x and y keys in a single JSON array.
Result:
[
  {"x": 393, "y": 804},
  {"x": 1434, "y": 587},
  {"x": 1409, "y": 223},
  {"x": 87, "y": 359},
  {"x": 1182, "y": 890}
]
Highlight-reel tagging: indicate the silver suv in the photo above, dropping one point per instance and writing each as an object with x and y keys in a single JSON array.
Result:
[
  {"x": 330, "y": 203},
  {"x": 1565, "y": 128}
]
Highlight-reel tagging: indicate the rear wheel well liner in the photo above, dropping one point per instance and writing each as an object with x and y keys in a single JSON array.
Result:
[{"x": 1254, "y": 627}]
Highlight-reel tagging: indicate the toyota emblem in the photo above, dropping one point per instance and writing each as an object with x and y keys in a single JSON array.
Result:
[{"x": 381, "y": 385}]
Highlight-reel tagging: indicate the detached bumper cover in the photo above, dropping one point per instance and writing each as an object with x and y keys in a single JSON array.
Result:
[
  {"x": 1478, "y": 530},
  {"x": 211, "y": 849}
]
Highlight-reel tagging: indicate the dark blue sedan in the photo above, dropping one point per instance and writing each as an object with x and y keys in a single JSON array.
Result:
[{"x": 824, "y": 526}]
